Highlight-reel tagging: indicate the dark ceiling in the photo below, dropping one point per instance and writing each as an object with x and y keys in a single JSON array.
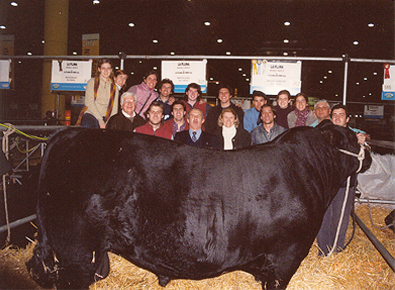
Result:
[{"x": 319, "y": 28}]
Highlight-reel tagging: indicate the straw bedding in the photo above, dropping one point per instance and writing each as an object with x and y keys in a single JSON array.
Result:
[{"x": 359, "y": 266}]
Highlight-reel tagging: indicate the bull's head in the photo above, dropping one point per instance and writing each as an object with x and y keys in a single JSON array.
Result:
[{"x": 345, "y": 140}]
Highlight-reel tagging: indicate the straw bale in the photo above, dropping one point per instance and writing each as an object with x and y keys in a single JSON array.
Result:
[{"x": 359, "y": 266}]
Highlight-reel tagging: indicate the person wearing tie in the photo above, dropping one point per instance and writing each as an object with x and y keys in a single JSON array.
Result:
[{"x": 195, "y": 136}]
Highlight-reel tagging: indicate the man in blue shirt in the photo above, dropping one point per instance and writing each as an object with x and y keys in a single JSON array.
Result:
[{"x": 251, "y": 116}]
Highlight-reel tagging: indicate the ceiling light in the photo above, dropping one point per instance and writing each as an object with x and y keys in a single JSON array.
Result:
[
  {"x": 219, "y": 40},
  {"x": 207, "y": 23},
  {"x": 29, "y": 53},
  {"x": 172, "y": 53},
  {"x": 375, "y": 73},
  {"x": 370, "y": 94},
  {"x": 325, "y": 77},
  {"x": 117, "y": 67},
  {"x": 329, "y": 71},
  {"x": 244, "y": 75},
  {"x": 74, "y": 52},
  {"x": 285, "y": 53},
  {"x": 132, "y": 72},
  {"x": 247, "y": 80},
  {"x": 286, "y": 41},
  {"x": 287, "y": 23},
  {"x": 355, "y": 42},
  {"x": 96, "y": 2},
  {"x": 131, "y": 24},
  {"x": 14, "y": 4},
  {"x": 19, "y": 62},
  {"x": 357, "y": 83},
  {"x": 155, "y": 41},
  {"x": 240, "y": 69},
  {"x": 228, "y": 53},
  {"x": 43, "y": 41},
  {"x": 371, "y": 24},
  {"x": 211, "y": 79},
  {"x": 2, "y": 27},
  {"x": 363, "y": 96},
  {"x": 217, "y": 83},
  {"x": 140, "y": 61},
  {"x": 321, "y": 82},
  {"x": 155, "y": 68},
  {"x": 365, "y": 79}
]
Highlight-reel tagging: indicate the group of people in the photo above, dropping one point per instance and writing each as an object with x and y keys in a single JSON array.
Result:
[{"x": 226, "y": 126}]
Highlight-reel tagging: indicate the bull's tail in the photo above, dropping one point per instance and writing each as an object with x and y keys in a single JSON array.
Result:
[{"x": 43, "y": 267}]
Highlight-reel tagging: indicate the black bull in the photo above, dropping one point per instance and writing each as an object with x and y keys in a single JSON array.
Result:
[{"x": 184, "y": 212}]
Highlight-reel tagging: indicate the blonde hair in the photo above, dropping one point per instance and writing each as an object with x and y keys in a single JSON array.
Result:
[{"x": 221, "y": 117}]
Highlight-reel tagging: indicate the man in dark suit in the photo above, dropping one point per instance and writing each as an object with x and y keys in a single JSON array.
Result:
[{"x": 195, "y": 136}]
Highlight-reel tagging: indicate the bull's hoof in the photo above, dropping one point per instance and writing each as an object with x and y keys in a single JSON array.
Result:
[{"x": 163, "y": 280}]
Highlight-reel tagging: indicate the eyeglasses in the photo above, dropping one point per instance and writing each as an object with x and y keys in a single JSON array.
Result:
[{"x": 128, "y": 102}]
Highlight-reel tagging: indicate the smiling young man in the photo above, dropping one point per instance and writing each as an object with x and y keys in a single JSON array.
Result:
[
  {"x": 166, "y": 89},
  {"x": 155, "y": 126},
  {"x": 145, "y": 92},
  {"x": 192, "y": 99},
  {"x": 177, "y": 123},
  {"x": 269, "y": 129},
  {"x": 225, "y": 93},
  {"x": 251, "y": 116}
]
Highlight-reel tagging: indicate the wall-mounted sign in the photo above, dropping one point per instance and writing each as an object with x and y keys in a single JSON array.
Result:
[
  {"x": 70, "y": 75},
  {"x": 90, "y": 46},
  {"x": 375, "y": 112},
  {"x": 5, "y": 74},
  {"x": 389, "y": 82},
  {"x": 272, "y": 77},
  {"x": 184, "y": 72}
]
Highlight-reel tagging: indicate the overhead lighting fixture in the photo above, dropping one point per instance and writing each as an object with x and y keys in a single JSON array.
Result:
[
  {"x": 29, "y": 53},
  {"x": 217, "y": 83},
  {"x": 132, "y": 72},
  {"x": 244, "y": 75},
  {"x": 286, "y": 41},
  {"x": 207, "y": 23},
  {"x": 117, "y": 67},
  {"x": 355, "y": 42},
  {"x": 155, "y": 41},
  {"x": 43, "y": 41},
  {"x": 321, "y": 82},
  {"x": 155, "y": 68},
  {"x": 2, "y": 26},
  {"x": 211, "y": 79},
  {"x": 74, "y": 52},
  {"x": 140, "y": 61},
  {"x": 219, "y": 40},
  {"x": 363, "y": 96},
  {"x": 287, "y": 23},
  {"x": 357, "y": 83},
  {"x": 228, "y": 53},
  {"x": 247, "y": 80},
  {"x": 371, "y": 24},
  {"x": 329, "y": 71},
  {"x": 14, "y": 4},
  {"x": 375, "y": 73},
  {"x": 325, "y": 77},
  {"x": 172, "y": 53},
  {"x": 285, "y": 53},
  {"x": 365, "y": 79},
  {"x": 96, "y": 2},
  {"x": 370, "y": 94},
  {"x": 240, "y": 69},
  {"x": 131, "y": 24},
  {"x": 19, "y": 61}
]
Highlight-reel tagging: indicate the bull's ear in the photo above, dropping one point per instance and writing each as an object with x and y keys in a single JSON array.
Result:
[{"x": 330, "y": 133}]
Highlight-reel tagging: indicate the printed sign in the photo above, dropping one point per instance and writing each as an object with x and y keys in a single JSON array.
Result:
[
  {"x": 272, "y": 77},
  {"x": 7, "y": 48},
  {"x": 388, "y": 92},
  {"x": 184, "y": 72},
  {"x": 5, "y": 74},
  {"x": 90, "y": 46},
  {"x": 70, "y": 75},
  {"x": 372, "y": 111}
]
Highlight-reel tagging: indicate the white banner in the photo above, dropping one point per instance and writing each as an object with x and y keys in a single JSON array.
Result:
[
  {"x": 373, "y": 111},
  {"x": 184, "y": 72},
  {"x": 5, "y": 73},
  {"x": 70, "y": 75},
  {"x": 272, "y": 77}
]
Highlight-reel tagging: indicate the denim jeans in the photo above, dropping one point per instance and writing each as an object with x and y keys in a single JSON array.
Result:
[{"x": 89, "y": 121}]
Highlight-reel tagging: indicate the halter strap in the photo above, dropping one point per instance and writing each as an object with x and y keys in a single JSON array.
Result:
[{"x": 360, "y": 156}]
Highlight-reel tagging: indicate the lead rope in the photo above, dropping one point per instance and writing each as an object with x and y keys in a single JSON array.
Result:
[
  {"x": 361, "y": 157},
  {"x": 10, "y": 130}
]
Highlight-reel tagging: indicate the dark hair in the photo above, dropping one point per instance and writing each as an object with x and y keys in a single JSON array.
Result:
[
  {"x": 120, "y": 72},
  {"x": 154, "y": 104},
  {"x": 151, "y": 72},
  {"x": 259, "y": 94},
  {"x": 260, "y": 112},
  {"x": 166, "y": 81},
  {"x": 178, "y": 103},
  {"x": 302, "y": 95},
  {"x": 194, "y": 86},
  {"x": 339, "y": 106},
  {"x": 224, "y": 86},
  {"x": 284, "y": 92},
  {"x": 101, "y": 62}
]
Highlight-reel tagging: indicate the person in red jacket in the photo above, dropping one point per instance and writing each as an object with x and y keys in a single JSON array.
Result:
[{"x": 154, "y": 126}]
